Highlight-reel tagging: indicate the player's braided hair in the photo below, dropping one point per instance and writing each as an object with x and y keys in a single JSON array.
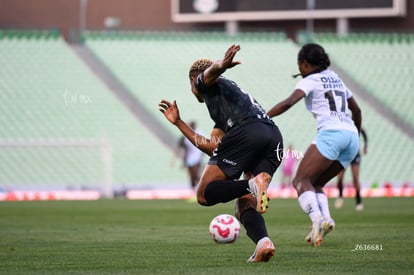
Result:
[
  {"x": 315, "y": 55},
  {"x": 199, "y": 66}
]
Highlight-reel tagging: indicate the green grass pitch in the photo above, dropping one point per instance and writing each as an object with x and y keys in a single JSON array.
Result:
[{"x": 171, "y": 237}]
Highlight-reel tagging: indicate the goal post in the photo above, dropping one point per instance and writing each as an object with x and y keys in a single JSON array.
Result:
[{"x": 58, "y": 164}]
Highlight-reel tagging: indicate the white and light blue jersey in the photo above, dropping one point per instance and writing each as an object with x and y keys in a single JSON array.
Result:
[{"x": 327, "y": 99}]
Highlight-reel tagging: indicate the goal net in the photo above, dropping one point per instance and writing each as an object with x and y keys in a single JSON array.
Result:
[{"x": 43, "y": 165}]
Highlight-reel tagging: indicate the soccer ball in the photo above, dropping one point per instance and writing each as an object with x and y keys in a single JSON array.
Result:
[{"x": 224, "y": 228}]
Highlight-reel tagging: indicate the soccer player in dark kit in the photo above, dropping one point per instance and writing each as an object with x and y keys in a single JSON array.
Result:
[{"x": 243, "y": 140}]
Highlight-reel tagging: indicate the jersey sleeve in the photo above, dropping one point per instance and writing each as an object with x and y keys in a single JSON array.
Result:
[
  {"x": 348, "y": 92},
  {"x": 306, "y": 85}
]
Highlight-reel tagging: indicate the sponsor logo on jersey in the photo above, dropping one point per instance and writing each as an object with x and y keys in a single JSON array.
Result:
[{"x": 232, "y": 163}]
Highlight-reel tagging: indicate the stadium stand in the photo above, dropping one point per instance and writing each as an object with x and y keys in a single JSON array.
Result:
[
  {"x": 155, "y": 65},
  {"x": 49, "y": 96},
  {"x": 55, "y": 97},
  {"x": 382, "y": 63}
]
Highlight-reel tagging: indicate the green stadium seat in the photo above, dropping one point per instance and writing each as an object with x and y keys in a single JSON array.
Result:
[
  {"x": 48, "y": 94},
  {"x": 383, "y": 64},
  {"x": 268, "y": 61},
  {"x": 56, "y": 97}
]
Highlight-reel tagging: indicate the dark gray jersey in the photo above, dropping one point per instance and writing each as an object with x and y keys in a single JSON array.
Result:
[{"x": 228, "y": 104}]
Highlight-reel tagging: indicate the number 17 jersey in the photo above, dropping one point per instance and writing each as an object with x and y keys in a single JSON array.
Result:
[{"x": 327, "y": 99}]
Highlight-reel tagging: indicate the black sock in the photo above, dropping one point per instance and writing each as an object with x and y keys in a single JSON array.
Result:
[
  {"x": 254, "y": 224},
  {"x": 225, "y": 190},
  {"x": 358, "y": 197}
]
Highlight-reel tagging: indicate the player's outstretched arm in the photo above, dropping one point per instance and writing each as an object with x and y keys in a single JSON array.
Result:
[
  {"x": 170, "y": 110},
  {"x": 285, "y": 105},
  {"x": 212, "y": 73},
  {"x": 172, "y": 114}
]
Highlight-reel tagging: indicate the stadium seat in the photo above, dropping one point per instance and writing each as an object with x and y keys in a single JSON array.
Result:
[
  {"x": 159, "y": 62},
  {"x": 50, "y": 96},
  {"x": 380, "y": 62},
  {"x": 53, "y": 97}
]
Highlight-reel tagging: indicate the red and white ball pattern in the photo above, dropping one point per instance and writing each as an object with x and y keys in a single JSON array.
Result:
[{"x": 224, "y": 228}]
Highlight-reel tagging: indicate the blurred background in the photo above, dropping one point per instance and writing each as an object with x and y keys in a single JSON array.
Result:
[{"x": 80, "y": 81}]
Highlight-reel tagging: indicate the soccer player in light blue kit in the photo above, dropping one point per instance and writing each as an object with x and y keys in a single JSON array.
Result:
[{"x": 336, "y": 142}]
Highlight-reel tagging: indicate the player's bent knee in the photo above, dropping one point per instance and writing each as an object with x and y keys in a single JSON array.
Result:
[
  {"x": 201, "y": 199},
  {"x": 203, "y": 203},
  {"x": 200, "y": 194}
]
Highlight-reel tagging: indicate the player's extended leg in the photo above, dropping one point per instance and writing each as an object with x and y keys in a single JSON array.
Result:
[
  {"x": 322, "y": 199},
  {"x": 211, "y": 173},
  {"x": 335, "y": 169},
  {"x": 214, "y": 187},
  {"x": 242, "y": 149},
  {"x": 329, "y": 174},
  {"x": 313, "y": 167},
  {"x": 245, "y": 210},
  {"x": 310, "y": 170},
  {"x": 355, "y": 180},
  {"x": 254, "y": 223}
]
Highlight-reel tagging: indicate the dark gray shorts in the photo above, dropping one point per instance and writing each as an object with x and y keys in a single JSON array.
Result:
[{"x": 254, "y": 147}]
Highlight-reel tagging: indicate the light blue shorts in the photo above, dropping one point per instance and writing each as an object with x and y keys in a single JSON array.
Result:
[{"x": 340, "y": 145}]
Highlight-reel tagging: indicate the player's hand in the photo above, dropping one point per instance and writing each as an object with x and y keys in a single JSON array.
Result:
[
  {"x": 170, "y": 110},
  {"x": 228, "y": 61}
]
